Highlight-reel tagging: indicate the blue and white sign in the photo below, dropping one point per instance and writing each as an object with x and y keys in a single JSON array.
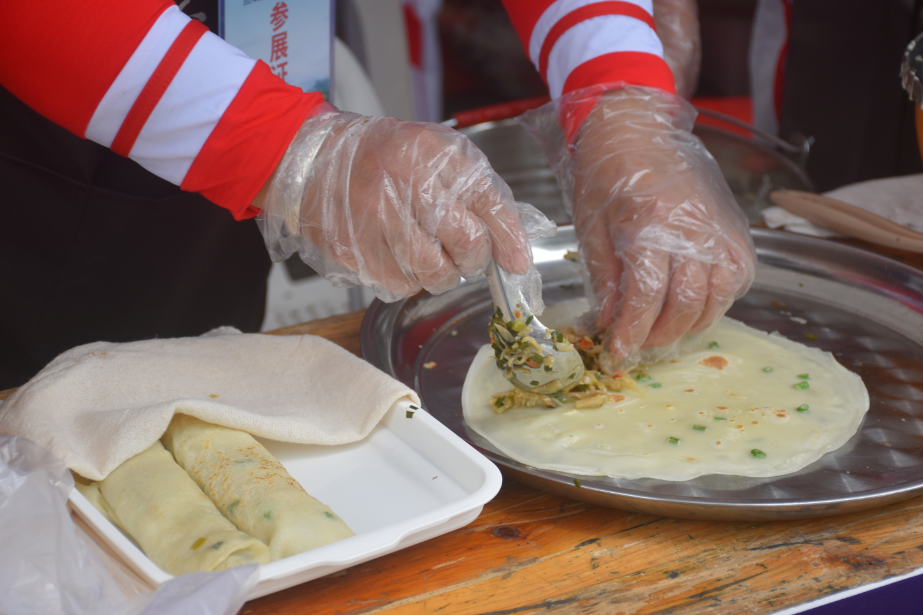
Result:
[{"x": 294, "y": 37}]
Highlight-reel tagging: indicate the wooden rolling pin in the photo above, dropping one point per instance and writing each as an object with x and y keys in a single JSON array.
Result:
[{"x": 848, "y": 219}]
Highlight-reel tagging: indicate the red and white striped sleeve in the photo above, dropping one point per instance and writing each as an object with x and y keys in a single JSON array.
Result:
[
  {"x": 575, "y": 44},
  {"x": 578, "y": 44},
  {"x": 146, "y": 81}
]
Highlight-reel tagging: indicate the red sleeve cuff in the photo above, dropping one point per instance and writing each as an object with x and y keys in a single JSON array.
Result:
[
  {"x": 609, "y": 72},
  {"x": 248, "y": 142}
]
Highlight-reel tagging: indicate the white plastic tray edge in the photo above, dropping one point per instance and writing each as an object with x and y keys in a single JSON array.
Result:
[{"x": 345, "y": 553}]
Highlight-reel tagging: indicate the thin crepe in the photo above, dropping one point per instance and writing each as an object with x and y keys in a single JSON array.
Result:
[
  {"x": 729, "y": 405},
  {"x": 155, "y": 502},
  {"x": 251, "y": 488},
  {"x": 98, "y": 405}
]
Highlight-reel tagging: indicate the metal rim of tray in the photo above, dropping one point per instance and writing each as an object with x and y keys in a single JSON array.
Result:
[{"x": 865, "y": 308}]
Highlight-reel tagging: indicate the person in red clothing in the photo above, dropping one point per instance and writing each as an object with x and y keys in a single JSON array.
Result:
[
  {"x": 664, "y": 246},
  {"x": 397, "y": 206}
]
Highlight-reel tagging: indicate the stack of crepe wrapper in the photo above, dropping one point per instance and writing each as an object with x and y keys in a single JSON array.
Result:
[{"x": 98, "y": 405}]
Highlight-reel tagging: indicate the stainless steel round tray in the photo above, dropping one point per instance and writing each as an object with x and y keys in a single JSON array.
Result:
[{"x": 865, "y": 309}]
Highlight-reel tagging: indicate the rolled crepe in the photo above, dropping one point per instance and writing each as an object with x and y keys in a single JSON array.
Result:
[
  {"x": 155, "y": 502},
  {"x": 251, "y": 488},
  {"x": 90, "y": 490}
]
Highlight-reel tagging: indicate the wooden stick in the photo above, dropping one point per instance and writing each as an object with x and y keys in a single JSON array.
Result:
[{"x": 848, "y": 219}]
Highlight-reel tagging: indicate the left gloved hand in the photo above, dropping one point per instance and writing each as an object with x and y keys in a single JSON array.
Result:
[{"x": 395, "y": 206}]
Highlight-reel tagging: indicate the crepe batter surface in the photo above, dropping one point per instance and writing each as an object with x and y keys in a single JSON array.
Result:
[{"x": 737, "y": 401}]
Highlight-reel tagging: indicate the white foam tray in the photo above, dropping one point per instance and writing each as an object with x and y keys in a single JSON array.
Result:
[{"x": 410, "y": 480}]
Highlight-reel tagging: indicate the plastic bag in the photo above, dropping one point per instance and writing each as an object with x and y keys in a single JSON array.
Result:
[{"x": 46, "y": 568}]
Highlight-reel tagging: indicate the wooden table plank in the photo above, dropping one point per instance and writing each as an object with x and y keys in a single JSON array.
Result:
[
  {"x": 342, "y": 329},
  {"x": 532, "y": 551}
]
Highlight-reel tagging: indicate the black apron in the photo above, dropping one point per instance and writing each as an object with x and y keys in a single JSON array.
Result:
[
  {"x": 843, "y": 87},
  {"x": 95, "y": 248}
]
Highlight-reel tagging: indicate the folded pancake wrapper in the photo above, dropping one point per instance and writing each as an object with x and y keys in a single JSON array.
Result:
[
  {"x": 251, "y": 488},
  {"x": 102, "y": 408},
  {"x": 155, "y": 502}
]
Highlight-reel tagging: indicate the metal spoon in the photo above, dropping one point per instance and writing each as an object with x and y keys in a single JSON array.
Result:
[{"x": 567, "y": 367}]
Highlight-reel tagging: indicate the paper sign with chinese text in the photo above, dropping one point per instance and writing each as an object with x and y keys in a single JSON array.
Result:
[{"x": 294, "y": 37}]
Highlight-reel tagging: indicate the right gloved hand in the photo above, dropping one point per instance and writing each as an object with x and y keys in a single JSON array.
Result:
[
  {"x": 396, "y": 206},
  {"x": 665, "y": 247}
]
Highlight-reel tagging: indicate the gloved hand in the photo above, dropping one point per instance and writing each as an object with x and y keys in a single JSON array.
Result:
[
  {"x": 664, "y": 246},
  {"x": 677, "y": 24},
  {"x": 395, "y": 206}
]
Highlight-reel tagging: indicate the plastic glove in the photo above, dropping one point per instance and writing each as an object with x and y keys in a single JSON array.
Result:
[
  {"x": 664, "y": 246},
  {"x": 677, "y": 24},
  {"x": 46, "y": 565},
  {"x": 395, "y": 206}
]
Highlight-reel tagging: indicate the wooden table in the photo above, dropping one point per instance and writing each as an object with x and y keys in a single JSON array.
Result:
[{"x": 532, "y": 552}]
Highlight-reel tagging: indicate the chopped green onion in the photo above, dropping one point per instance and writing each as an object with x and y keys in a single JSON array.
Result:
[
  {"x": 642, "y": 377},
  {"x": 802, "y": 408},
  {"x": 767, "y": 369},
  {"x": 698, "y": 427},
  {"x": 529, "y": 319},
  {"x": 804, "y": 376},
  {"x": 674, "y": 440},
  {"x": 329, "y": 515},
  {"x": 801, "y": 386},
  {"x": 720, "y": 418},
  {"x": 577, "y": 483},
  {"x": 758, "y": 453},
  {"x": 583, "y": 388},
  {"x": 267, "y": 515},
  {"x": 655, "y": 385},
  {"x": 547, "y": 368},
  {"x": 810, "y": 336},
  {"x": 713, "y": 345},
  {"x": 558, "y": 397},
  {"x": 412, "y": 407},
  {"x": 534, "y": 383},
  {"x": 410, "y": 414}
]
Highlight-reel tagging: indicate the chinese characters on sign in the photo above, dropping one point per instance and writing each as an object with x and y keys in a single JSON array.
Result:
[
  {"x": 293, "y": 37},
  {"x": 279, "y": 52}
]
